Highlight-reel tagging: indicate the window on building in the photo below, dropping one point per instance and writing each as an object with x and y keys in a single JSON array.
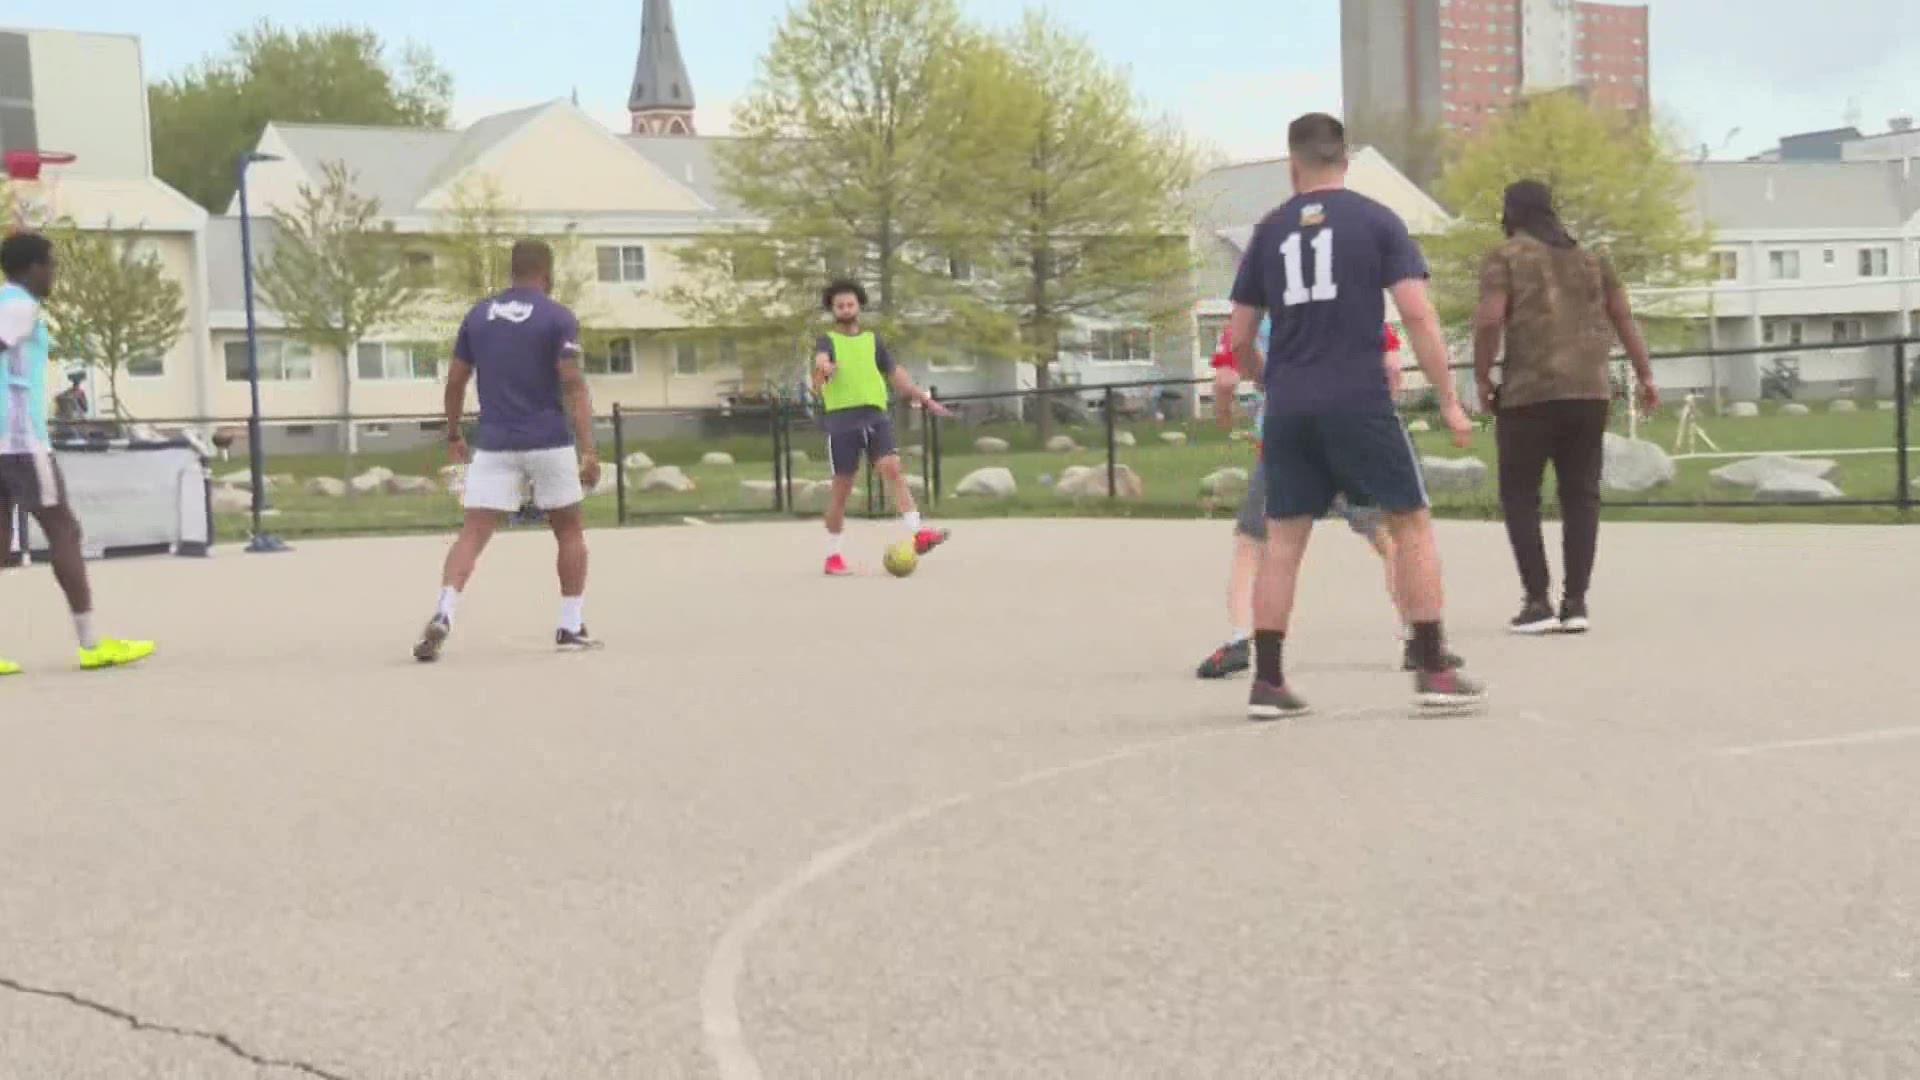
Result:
[
  {"x": 624, "y": 264},
  {"x": 960, "y": 269},
  {"x": 1828, "y": 257},
  {"x": 1726, "y": 265},
  {"x": 280, "y": 361},
  {"x": 1783, "y": 332},
  {"x": 612, "y": 357},
  {"x": 147, "y": 367},
  {"x": 1122, "y": 345},
  {"x": 1848, "y": 330},
  {"x": 1873, "y": 262},
  {"x": 1783, "y": 265},
  {"x": 392, "y": 360},
  {"x": 686, "y": 358}
]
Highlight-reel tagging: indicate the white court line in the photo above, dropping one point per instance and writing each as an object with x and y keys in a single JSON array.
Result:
[
  {"x": 720, "y": 984},
  {"x": 1858, "y": 738}
]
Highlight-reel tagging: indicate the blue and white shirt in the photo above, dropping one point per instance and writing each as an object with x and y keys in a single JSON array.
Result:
[{"x": 24, "y": 347}]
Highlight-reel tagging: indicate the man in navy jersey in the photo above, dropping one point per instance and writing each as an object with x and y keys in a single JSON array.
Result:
[
  {"x": 1319, "y": 267},
  {"x": 535, "y": 430}
]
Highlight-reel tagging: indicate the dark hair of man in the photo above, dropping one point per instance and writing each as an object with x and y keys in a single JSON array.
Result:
[
  {"x": 1529, "y": 209},
  {"x": 22, "y": 252},
  {"x": 840, "y": 288},
  {"x": 1317, "y": 141}
]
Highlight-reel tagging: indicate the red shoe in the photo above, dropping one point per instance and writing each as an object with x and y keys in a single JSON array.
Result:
[
  {"x": 837, "y": 566},
  {"x": 927, "y": 539}
]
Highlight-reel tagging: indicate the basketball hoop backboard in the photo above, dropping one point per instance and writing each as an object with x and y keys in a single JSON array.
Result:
[{"x": 35, "y": 191}]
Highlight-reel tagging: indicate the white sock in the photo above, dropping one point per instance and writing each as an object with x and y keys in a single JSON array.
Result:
[
  {"x": 83, "y": 629},
  {"x": 833, "y": 543},
  {"x": 449, "y": 599},
  {"x": 912, "y": 518},
  {"x": 1239, "y": 636},
  {"x": 573, "y": 613}
]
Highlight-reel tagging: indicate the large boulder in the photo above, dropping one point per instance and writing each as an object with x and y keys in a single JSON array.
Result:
[
  {"x": 1886, "y": 406},
  {"x": 331, "y": 487},
  {"x": 1174, "y": 438},
  {"x": 1082, "y": 481},
  {"x": 759, "y": 489},
  {"x": 639, "y": 460},
  {"x": 716, "y": 459},
  {"x": 609, "y": 483},
  {"x": 666, "y": 478},
  {"x": 797, "y": 457},
  {"x": 994, "y": 483},
  {"x": 1634, "y": 465},
  {"x": 1743, "y": 410},
  {"x": 1125, "y": 438},
  {"x": 1794, "y": 408},
  {"x": 1228, "y": 483},
  {"x": 1789, "y": 487},
  {"x": 412, "y": 485},
  {"x": 1062, "y": 444},
  {"x": 1756, "y": 471},
  {"x": 987, "y": 444},
  {"x": 1844, "y": 405},
  {"x": 1454, "y": 474},
  {"x": 242, "y": 478},
  {"x": 916, "y": 484},
  {"x": 1419, "y": 427},
  {"x": 453, "y": 478},
  {"x": 232, "y": 500},
  {"x": 372, "y": 482}
]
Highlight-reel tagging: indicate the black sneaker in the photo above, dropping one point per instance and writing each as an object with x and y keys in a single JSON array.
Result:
[
  {"x": 1536, "y": 617},
  {"x": 1447, "y": 659},
  {"x": 1270, "y": 702},
  {"x": 1446, "y": 690},
  {"x": 575, "y": 640},
  {"x": 1229, "y": 659},
  {"x": 434, "y": 636},
  {"x": 1573, "y": 616}
]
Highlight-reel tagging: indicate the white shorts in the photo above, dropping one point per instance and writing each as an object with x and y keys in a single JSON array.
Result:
[{"x": 497, "y": 479}]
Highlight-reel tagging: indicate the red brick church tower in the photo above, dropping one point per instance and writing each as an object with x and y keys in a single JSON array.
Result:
[{"x": 662, "y": 98}]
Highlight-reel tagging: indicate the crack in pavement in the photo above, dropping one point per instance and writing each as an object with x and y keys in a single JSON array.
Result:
[{"x": 134, "y": 1022}]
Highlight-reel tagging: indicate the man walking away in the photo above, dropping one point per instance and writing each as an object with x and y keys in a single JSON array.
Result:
[{"x": 1558, "y": 308}]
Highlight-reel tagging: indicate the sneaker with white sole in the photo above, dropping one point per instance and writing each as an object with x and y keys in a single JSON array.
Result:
[
  {"x": 1573, "y": 616},
  {"x": 1446, "y": 690},
  {"x": 1536, "y": 617},
  {"x": 1270, "y": 702}
]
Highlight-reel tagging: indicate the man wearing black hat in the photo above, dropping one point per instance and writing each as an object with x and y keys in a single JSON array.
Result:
[{"x": 1557, "y": 308}]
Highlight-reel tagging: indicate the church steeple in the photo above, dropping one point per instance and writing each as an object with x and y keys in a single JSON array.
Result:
[{"x": 662, "y": 98}]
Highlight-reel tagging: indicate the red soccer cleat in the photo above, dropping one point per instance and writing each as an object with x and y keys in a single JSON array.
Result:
[
  {"x": 837, "y": 566},
  {"x": 927, "y": 539}
]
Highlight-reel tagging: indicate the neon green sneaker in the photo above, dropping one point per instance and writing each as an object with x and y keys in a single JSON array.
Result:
[
  {"x": 8, "y": 667},
  {"x": 112, "y": 652}
]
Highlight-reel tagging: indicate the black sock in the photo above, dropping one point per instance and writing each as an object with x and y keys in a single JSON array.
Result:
[
  {"x": 1266, "y": 656},
  {"x": 1429, "y": 648}
]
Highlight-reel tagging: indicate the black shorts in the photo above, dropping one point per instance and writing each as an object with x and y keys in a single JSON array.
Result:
[
  {"x": 852, "y": 433},
  {"x": 31, "y": 481},
  {"x": 1365, "y": 455}
]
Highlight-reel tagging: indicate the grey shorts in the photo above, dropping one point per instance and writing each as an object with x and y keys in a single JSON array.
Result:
[
  {"x": 1363, "y": 520},
  {"x": 853, "y": 434}
]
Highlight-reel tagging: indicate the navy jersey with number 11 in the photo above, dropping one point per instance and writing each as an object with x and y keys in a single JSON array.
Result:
[{"x": 1320, "y": 266}]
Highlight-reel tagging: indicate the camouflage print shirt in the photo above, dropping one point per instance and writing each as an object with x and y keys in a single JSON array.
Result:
[{"x": 1558, "y": 335}]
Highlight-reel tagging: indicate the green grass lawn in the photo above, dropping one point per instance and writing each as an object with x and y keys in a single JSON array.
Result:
[{"x": 1171, "y": 475}]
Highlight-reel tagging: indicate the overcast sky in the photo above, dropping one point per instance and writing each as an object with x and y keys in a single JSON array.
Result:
[{"x": 1232, "y": 71}]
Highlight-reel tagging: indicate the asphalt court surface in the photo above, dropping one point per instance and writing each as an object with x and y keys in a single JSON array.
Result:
[{"x": 982, "y": 822}]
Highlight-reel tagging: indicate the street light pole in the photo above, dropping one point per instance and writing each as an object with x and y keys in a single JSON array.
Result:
[{"x": 261, "y": 543}]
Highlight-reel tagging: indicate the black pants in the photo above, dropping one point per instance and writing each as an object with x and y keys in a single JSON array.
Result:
[{"x": 1570, "y": 434}]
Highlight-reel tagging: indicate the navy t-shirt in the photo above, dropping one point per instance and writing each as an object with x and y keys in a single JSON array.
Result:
[
  {"x": 515, "y": 341},
  {"x": 1320, "y": 266}
]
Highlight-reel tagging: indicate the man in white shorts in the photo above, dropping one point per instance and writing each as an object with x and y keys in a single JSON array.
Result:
[{"x": 523, "y": 348}]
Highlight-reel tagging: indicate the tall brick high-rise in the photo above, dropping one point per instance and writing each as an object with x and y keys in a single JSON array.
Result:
[{"x": 1413, "y": 65}]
